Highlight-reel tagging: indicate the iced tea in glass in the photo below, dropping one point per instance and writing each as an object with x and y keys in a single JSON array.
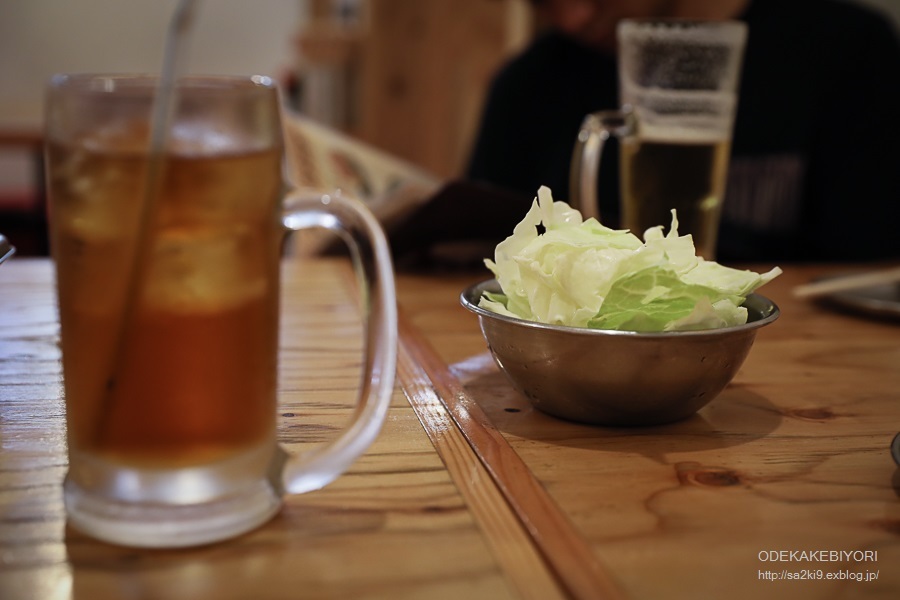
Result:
[{"x": 168, "y": 285}]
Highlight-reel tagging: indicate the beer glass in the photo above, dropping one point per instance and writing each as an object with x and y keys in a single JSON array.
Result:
[
  {"x": 678, "y": 91},
  {"x": 167, "y": 267}
]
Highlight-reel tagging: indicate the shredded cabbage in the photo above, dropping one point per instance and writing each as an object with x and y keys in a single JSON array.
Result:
[{"x": 584, "y": 274}]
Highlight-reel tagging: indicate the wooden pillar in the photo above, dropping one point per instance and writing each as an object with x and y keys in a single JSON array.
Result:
[{"x": 424, "y": 69}]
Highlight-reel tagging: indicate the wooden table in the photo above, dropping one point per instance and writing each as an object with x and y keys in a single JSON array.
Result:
[{"x": 469, "y": 493}]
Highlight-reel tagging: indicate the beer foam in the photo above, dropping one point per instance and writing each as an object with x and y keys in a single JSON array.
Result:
[
  {"x": 692, "y": 115},
  {"x": 683, "y": 135}
]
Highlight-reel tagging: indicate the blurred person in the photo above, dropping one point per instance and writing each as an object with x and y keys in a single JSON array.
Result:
[{"x": 815, "y": 169}]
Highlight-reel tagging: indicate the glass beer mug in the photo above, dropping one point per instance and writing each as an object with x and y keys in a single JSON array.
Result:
[
  {"x": 678, "y": 91},
  {"x": 169, "y": 319}
]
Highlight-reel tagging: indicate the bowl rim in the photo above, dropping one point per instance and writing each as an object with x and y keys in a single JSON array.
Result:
[
  {"x": 768, "y": 312},
  {"x": 6, "y": 249}
]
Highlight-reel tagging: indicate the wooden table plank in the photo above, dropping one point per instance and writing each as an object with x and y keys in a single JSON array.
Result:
[
  {"x": 525, "y": 569},
  {"x": 395, "y": 526},
  {"x": 454, "y": 412},
  {"x": 792, "y": 456}
]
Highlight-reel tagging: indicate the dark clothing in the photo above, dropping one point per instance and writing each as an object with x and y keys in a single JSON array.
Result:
[{"x": 815, "y": 171}]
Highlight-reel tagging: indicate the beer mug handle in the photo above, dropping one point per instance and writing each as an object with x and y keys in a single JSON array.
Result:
[
  {"x": 595, "y": 130},
  {"x": 371, "y": 258}
]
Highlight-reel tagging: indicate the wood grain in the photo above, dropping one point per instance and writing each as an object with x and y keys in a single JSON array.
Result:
[
  {"x": 425, "y": 67},
  {"x": 578, "y": 570},
  {"x": 522, "y": 561},
  {"x": 395, "y": 526},
  {"x": 792, "y": 456}
]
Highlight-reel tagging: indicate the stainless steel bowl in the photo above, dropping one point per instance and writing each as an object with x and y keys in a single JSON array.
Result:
[
  {"x": 6, "y": 249},
  {"x": 617, "y": 378}
]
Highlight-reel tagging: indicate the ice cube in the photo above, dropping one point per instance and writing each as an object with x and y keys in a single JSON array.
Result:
[{"x": 204, "y": 269}]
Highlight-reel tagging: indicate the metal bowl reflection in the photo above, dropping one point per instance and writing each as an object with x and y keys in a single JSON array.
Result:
[
  {"x": 617, "y": 378},
  {"x": 6, "y": 249}
]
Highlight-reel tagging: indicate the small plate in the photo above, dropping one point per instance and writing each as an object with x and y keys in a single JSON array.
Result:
[{"x": 882, "y": 301}]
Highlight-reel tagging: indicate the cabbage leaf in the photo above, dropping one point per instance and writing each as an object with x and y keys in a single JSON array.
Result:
[{"x": 559, "y": 269}]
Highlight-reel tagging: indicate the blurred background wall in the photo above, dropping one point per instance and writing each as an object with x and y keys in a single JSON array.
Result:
[
  {"x": 407, "y": 76},
  {"x": 41, "y": 37}
]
